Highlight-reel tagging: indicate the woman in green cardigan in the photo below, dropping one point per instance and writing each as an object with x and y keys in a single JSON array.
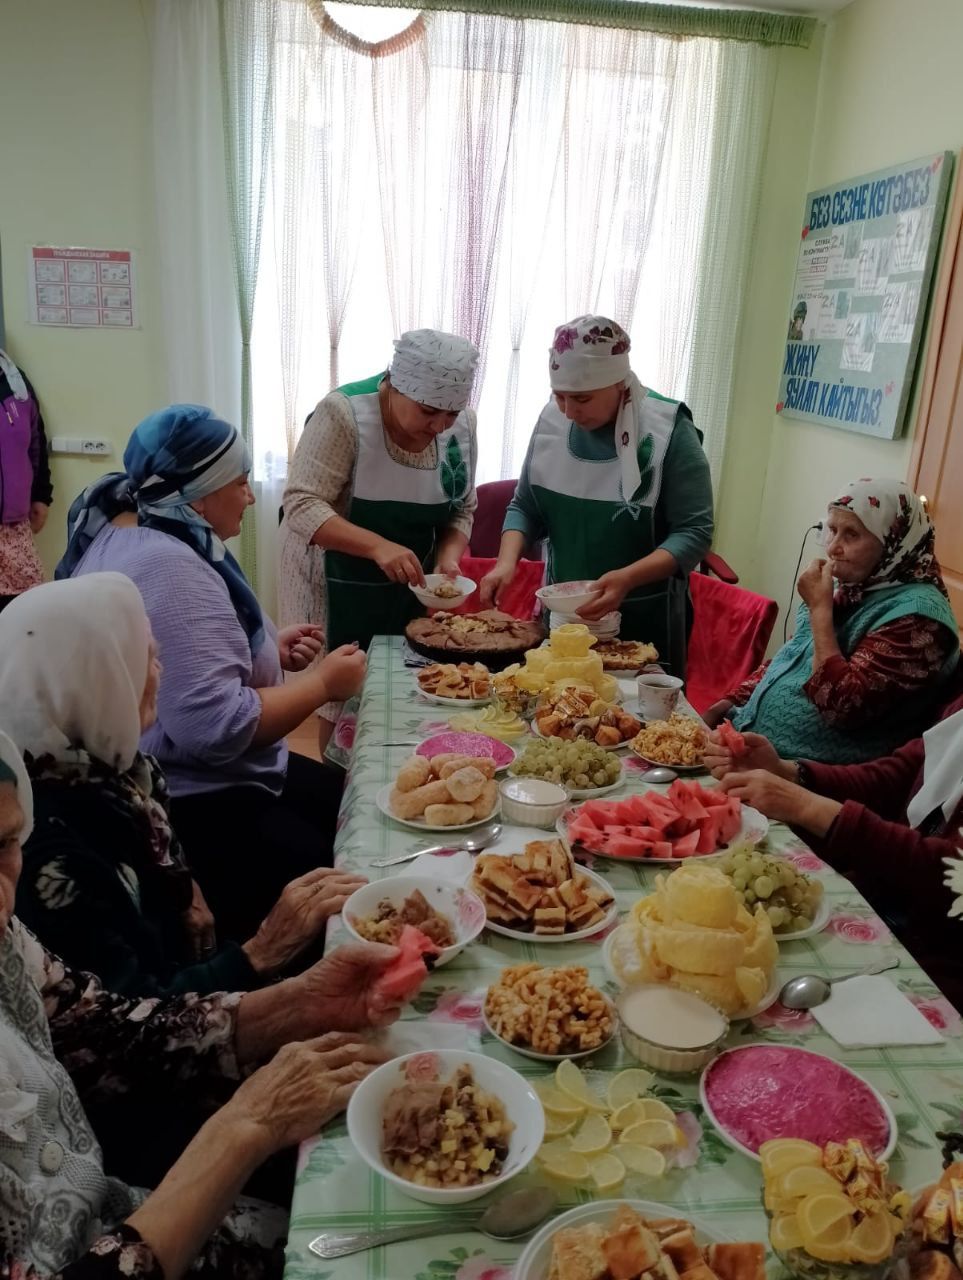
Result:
[
  {"x": 616, "y": 480},
  {"x": 875, "y": 641}
]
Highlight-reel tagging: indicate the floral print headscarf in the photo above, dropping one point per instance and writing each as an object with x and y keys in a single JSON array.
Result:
[{"x": 892, "y": 511}]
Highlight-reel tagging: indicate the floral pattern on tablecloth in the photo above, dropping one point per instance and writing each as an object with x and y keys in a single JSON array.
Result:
[{"x": 335, "y": 1190}]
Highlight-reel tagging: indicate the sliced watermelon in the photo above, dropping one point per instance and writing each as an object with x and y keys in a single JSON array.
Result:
[
  {"x": 405, "y": 975},
  {"x": 686, "y": 801},
  {"x": 708, "y": 835},
  {"x": 596, "y": 811},
  {"x": 683, "y": 846},
  {"x": 628, "y": 847},
  {"x": 732, "y": 739},
  {"x": 713, "y": 798}
]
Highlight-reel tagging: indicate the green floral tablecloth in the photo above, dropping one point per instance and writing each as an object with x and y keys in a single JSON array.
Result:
[{"x": 335, "y": 1189}]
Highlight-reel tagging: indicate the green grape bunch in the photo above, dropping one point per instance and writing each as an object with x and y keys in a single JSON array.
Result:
[
  {"x": 791, "y": 899},
  {"x": 580, "y": 765}
]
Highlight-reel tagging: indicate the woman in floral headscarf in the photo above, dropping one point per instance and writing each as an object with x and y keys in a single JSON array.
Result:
[
  {"x": 875, "y": 638},
  {"x": 616, "y": 480}
]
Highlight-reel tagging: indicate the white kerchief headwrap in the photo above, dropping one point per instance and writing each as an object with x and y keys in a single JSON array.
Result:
[
  {"x": 434, "y": 368},
  {"x": 73, "y": 666},
  {"x": 592, "y": 352},
  {"x": 942, "y": 771},
  {"x": 17, "y": 384},
  {"x": 11, "y": 757}
]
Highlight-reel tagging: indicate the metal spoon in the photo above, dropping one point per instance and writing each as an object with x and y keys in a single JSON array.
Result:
[
  {"x": 474, "y": 843},
  {"x": 507, "y": 1218},
  {"x": 659, "y": 774},
  {"x": 809, "y": 989}
]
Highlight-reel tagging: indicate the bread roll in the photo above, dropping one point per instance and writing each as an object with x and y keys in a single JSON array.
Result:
[
  {"x": 415, "y": 772},
  {"x": 485, "y": 803},
  {"x": 448, "y": 815},
  {"x": 412, "y": 804},
  {"x": 465, "y": 784}
]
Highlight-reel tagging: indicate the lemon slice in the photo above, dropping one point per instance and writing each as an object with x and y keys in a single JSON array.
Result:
[
  {"x": 630, "y": 1113},
  {"x": 627, "y": 1086},
  {"x": 608, "y": 1171},
  {"x": 779, "y": 1154},
  {"x": 834, "y": 1245},
  {"x": 558, "y": 1103},
  {"x": 553, "y": 1148},
  {"x": 593, "y": 1137},
  {"x": 784, "y": 1233},
  {"x": 567, "y": 1166},
  {"x": 872, "y": 1241},
  {"x": 557, "y": 1126},
  {"x": 645, "y": 1160},
  {"x": 572, "y": 1083},
  {"x": 652, "y": 1133},
  {"x": 817, "y": 1213},
  {"x": 656, "y": 1110},
  {"x": 805, "y": 1180}
]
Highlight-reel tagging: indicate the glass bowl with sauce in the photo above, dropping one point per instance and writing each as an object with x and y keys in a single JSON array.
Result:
[{"x": 673, "y": 1031}]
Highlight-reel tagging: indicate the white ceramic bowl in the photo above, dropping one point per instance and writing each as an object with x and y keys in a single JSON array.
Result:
[
  {"x": 651, "y": 1045},
  {"x": 566, "y": 597},
  {"x": 521, "y": 1103},
  {"x": 464, "y": 909},
  {"x": 426, "y": 594},
  {"x": 532, "y": 802}
]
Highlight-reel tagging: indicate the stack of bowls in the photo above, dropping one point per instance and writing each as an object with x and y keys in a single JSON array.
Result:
[{"x": 607, "y": 627}]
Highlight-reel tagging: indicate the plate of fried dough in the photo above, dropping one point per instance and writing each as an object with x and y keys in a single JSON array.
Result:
[{"x": 448, "y": 792}]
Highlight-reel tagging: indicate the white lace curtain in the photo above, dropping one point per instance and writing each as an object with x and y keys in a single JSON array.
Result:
[{"x": 491, "y": 176}]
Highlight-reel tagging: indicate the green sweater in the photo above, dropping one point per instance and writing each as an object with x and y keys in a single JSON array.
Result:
[{"x": 683, "y": 513}]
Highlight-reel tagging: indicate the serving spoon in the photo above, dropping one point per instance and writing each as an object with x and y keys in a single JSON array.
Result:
[
  {"x": 474, "y": 843},
  {"x": 809, "y": 989},
  {"x": 511, "y": 1216},
  {"x": 659, "y": 774}
]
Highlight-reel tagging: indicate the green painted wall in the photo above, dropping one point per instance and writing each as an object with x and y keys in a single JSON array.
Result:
[
  {"x": 890, "y": 89},
  {"x": 75, "y": 105}
]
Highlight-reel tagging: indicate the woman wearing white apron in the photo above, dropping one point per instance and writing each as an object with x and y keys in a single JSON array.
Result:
[
  {"x": 616, "y": 480},
  {"x": 381, "y": 489}
]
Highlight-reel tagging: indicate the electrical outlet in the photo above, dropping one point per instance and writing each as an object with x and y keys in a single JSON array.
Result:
[{"x": 90, "y": 447}]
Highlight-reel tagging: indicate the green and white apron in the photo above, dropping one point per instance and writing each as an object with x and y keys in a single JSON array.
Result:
[
  {"x": 408, "y": 505},
  {"x": 592, "y": 529}
]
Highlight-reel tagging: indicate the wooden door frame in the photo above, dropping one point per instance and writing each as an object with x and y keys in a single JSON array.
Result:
[{"x": 951, "y": 260}]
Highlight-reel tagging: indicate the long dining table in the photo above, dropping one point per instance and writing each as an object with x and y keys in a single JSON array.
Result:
[{"x": 336, "y": 1191}]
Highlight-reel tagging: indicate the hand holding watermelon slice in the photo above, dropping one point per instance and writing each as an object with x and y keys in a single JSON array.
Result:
[{"x": 364, "y": 984}]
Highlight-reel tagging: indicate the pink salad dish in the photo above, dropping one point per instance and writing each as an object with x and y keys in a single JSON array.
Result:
[{"x": 761, "y": 1091}]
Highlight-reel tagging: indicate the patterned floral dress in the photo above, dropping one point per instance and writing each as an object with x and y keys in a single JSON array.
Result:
[{"x": 64, "y": 1039}]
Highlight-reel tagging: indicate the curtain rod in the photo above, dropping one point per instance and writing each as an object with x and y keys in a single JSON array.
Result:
[{"x": 662, "y": 19}]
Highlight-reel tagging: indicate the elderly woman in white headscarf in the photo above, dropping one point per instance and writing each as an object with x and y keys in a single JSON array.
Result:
[
  {"x": 616, "y": 480},
  {"x": 381, "y": 489},
  {"x": 66, "y": 1042}
]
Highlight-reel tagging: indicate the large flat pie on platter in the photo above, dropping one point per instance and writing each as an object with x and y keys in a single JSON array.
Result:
[
  {"x": 490, "y": 636},
  {"x": 625, "y": 655}
]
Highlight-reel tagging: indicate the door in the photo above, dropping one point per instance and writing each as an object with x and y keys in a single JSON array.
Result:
[{"x": 936, "y": 469}]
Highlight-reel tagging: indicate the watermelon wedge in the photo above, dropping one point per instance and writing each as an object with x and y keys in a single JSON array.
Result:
[
  {"x": 732, "y": 739},
  {"x": 689, "y": 819},
  {"x": 403, "y": 977}
]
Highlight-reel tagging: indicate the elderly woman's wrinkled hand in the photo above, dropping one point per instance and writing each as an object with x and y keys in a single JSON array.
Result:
[
  {"x": 297, "y": 917},
  {"x": 199, "y": 926},
  {"x": 299, "y": 645},
  {"x": 342, "y": 989},
  {"x": 759, "y": 754},
  {"x": 306, "y": 1084},
  {"x": 781, "y": 800},
  {"x": 815, "y": 585}
]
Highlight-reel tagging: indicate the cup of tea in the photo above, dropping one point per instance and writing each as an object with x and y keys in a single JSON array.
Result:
[{"x": 658, "y": 696}]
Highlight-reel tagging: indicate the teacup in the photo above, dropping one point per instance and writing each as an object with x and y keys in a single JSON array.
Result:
[{"x": 658, "y": 696}]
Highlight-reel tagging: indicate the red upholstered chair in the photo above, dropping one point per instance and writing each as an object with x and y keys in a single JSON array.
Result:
[
  {"x": 730, "y": 631},
  {"x": 486, "y": 534},
  {"x": 519, "y": 599}
]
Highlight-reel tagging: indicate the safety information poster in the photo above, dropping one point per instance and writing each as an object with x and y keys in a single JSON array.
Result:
[
  {"x": 866, "y": 259},
  {"x": 81, "y": 288}
]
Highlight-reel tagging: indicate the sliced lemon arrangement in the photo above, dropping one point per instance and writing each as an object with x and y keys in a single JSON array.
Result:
[
  {"x": 833, "y": 1204},
  {"x": 594, "y": 1140}
]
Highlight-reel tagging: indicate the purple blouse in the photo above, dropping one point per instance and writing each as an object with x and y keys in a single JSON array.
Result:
[{"x": 208, "y": 708}]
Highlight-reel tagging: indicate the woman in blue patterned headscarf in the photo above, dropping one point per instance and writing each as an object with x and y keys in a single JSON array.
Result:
[
  {"x": 175, "y": 457},
  {"x": 224, "y": 709}
]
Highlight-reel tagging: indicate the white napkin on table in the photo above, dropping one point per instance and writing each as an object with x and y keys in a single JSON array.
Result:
[{"x": 871, "y": 1012}]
